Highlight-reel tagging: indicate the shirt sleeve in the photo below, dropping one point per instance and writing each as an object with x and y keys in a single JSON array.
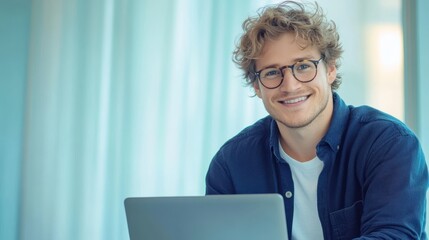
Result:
[
  {"x": 218, "y": 178},
  {"x": 394, "y": 190}
]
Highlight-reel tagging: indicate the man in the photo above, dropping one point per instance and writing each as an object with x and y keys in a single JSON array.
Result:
[{"x": 344, "y": 172}]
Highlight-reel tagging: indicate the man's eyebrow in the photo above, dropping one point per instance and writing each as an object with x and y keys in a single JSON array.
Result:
[
  {"x": 293, "y": 61},
  {"x": 306, "y": 57}
]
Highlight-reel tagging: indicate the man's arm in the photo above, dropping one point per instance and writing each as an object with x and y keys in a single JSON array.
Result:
[
  {"x": 218, "y": 178},
  {"x": 394, "y": 190}
]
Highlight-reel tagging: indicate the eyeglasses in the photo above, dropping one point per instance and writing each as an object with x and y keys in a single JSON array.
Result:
[{"x": 304, "y": 71}]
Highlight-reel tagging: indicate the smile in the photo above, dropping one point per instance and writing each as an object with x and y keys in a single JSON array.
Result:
[{"x": 295, "y": 100}]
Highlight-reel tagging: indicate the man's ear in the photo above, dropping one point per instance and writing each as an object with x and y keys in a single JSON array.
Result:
[
  {"x": 332, "y": 73},
  {"x": 257, "y": 88}
]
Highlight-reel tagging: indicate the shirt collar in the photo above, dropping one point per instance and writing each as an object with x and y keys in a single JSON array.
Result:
[
  {"x": 274, "y": 139},
  {"x": 339, "y": 120}
]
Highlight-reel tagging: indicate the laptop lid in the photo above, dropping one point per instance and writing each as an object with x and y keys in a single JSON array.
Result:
[{"x": 213, "y": 217}]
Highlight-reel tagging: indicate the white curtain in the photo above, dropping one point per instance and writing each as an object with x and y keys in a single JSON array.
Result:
[{"x": 125, "y": 98}]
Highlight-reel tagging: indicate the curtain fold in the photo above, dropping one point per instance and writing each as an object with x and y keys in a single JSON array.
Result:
[{"x": 124, "y": 98}]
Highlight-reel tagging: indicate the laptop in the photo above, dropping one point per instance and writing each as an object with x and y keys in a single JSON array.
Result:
[{"x": 212, "y": 217}]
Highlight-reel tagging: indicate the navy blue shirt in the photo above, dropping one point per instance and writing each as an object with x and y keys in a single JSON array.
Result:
[{"x": 373, "y": 184}]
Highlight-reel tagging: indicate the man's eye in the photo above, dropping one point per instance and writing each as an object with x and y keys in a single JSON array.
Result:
[
  {"x": 303, "y": 66},
  {"x": 272, "y": 73}
]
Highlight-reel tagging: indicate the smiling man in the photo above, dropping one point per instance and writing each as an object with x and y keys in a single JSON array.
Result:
[{"x": 344, "y": 172}]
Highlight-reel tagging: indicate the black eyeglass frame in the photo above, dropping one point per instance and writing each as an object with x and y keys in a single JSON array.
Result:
[{"x": 315, "y": 62}]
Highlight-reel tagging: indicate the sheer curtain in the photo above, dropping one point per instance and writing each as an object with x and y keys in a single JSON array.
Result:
[
  {"x": 124, "y": 98},
  {"x": 132, "y": 98}
]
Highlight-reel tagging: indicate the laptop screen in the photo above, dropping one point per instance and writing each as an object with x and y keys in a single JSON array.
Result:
[{"x": 213, "y": 217}]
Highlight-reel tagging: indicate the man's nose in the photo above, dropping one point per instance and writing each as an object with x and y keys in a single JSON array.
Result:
[{"x": 290, "y": 83}]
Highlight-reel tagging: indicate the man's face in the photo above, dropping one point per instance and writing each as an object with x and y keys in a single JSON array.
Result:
[{"x": 295, "y": 104}]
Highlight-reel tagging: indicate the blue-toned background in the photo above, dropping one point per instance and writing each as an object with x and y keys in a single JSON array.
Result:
[{"x": 101, "y": 100}]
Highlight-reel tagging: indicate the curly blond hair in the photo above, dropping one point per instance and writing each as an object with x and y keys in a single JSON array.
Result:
[{"x": 306, "y": 21}]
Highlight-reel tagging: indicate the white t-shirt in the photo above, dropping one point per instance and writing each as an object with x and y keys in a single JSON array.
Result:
[{"x": 306, "y": 222}]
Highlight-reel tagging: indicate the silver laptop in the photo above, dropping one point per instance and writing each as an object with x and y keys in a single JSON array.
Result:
[{"x": 213, "y": 217}]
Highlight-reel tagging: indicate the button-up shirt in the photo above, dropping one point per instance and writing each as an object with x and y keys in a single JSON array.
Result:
[{"x": 373, "y": 184}]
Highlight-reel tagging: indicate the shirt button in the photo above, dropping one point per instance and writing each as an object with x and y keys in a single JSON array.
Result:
[{"x": 288, "y": 194}]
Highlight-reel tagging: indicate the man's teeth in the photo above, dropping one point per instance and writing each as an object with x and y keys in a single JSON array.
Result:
[{"x": 295, "y": 100}]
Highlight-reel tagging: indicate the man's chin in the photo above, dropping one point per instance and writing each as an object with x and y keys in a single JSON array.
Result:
[{"x": 294, "y": 124}]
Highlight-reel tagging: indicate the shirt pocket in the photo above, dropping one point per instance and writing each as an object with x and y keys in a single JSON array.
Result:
[{"x": 346, "y": 221}]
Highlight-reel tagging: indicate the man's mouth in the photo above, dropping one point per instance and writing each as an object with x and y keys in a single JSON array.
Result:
[{"x": 295, "y": 100}]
